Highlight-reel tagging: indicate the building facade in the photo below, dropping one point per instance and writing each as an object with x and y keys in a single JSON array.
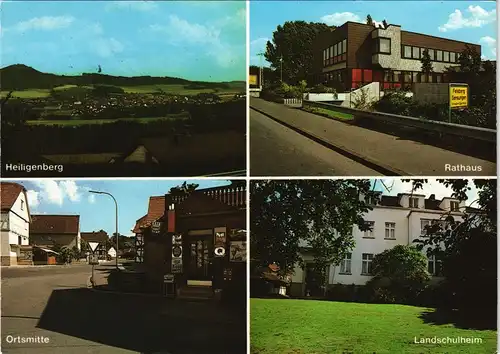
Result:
[
  {"x": 199, "y": 238},
  {"x": 49, "y": 231},
  {"x": 101, "y": 237},
  {"x": 395, "y": 220},
  {"x": 15, "y": 228},
  {"x": 356, "y": 54}
]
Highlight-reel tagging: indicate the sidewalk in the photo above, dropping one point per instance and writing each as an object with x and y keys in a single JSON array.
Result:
[{"x": 404, "y": 157}]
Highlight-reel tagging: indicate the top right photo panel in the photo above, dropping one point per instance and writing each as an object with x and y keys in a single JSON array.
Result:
[{"x": 377, "y": 88}]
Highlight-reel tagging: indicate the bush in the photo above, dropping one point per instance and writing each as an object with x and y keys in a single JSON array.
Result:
[
  {"x": 322, "y": 89},
  {"x": 106, "y": 90}
]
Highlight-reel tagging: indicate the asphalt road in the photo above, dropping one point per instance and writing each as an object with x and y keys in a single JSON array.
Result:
[
  {"x": 53, "y": 304},
  {"x": 276, "y": 150}
]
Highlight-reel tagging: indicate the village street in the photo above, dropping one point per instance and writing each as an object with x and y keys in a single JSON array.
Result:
[{"x": 53, "y": 308}]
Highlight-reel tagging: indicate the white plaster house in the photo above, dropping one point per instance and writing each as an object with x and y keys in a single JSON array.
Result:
[
  {"x": 15, "y": 228},
  {"x": 397, "y": 220},
  {"x": 112, "y": 252}
]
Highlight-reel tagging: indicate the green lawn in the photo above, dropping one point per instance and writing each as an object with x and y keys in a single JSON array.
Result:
[
  {"x": 326, "y": 327},
  {"x": 76, "y": 122},
  {"x": 329, "y": 113},
  {"x": 31, "y": 93}
]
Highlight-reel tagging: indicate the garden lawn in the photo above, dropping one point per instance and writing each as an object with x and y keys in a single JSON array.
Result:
[
  {"x": 283, "y": 326},
  {"x": 329, "y": 113},
  {"x": 31, "y": 93}
]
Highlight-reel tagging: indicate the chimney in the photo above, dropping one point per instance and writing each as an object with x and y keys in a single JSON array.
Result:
[{"x": 171, "y": 218}]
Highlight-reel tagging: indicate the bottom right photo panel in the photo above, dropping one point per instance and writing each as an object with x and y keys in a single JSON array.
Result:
[{"x": 387, "y": 265}]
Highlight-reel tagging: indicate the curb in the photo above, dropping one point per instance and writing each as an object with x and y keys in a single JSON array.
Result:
[
  {"x": 123, "y": 293},
  {"x": 363, "y": 160}
]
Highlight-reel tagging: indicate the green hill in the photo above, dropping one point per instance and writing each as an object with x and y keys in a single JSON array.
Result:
[{"x": 22, "y": 77}]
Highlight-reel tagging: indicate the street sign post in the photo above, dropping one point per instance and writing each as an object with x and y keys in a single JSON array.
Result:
[
  {"x": 93, "y": 245},
  {"x": 458, "y": 97},
  {"x": 169, "y": 285}
]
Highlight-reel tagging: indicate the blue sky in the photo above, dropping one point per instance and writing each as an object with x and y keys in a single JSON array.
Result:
[
  {"x": 473, "y": 22},
  {"x": 393, "y": 186},
  {"x": 189, "y": 39},
  {"x": 71, "y": 197}
]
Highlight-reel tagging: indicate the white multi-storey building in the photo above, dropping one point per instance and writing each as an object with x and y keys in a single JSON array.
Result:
[
  {"x": 15, "y": 228},
  {"x": 395, "y": 220}
]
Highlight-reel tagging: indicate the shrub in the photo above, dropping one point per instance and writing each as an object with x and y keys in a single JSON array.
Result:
[
  {"x": 322, "y": 89},
  {"x": 106, "y": 90}
]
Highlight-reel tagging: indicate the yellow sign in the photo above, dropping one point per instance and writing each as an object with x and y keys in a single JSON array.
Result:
[
  {"x": 252, "y": 80},
  {"x": 459, "y": 96}
]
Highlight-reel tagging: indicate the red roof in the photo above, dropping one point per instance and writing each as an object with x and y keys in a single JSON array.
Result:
[
  {"x": 55, "y": 224},
  {"x": 99, "y": 236},
  {"x": 9, "y": 194},
  {"x": 156, "y": 209}
]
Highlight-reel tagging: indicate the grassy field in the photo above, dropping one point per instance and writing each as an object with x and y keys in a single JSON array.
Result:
[
  {"x": 325, "y": 327},
  {"x": 77, "y": 122},
  {"x": 329, "y": 113},
  {"x": 144, "y": 89}
]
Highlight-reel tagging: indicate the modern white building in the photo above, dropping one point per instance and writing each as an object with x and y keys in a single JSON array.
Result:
[
  {"x": 15, "y": 228},
  {"x": 396, "y": 220}
]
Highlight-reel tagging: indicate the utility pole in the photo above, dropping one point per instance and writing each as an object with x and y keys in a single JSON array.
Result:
[
  {"x": 261, "y": 70},
  {"x": 281, "y": 68}
]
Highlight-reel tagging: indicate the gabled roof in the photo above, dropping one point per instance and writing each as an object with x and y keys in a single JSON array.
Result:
[
  {"x": 99, "y": 236},
  {"x": 9, "y": 194},
  {"x": 55, "y": 224},
  {"x": 156, "y": 209}
]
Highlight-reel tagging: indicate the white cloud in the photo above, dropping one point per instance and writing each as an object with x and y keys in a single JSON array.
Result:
[
  {"x": 71, "y": 190},
  {"x": 339, "y": 18},
  {"x": 259, "y": 44},
  {"x": 491, "y": 44},
  {"x": 208, "y": 36},
  {"x": 33, "y": 200},
  {"x": 477, "y": 17},
  {"x": 239, "y": 19},
  {"x": 107, "y": 47},
  {"x": 431, "y": 187},
  {"x": 44, "y": 23},
  {"x": 56, "y": 192},
  {"x": 143, "y": 6}
]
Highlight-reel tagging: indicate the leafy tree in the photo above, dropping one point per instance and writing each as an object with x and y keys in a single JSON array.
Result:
[
  {"x": 184, "y": 189},
  {"x": 385, "y": 24},
  {"x": 399, "y": 274},
  {"x": 426, "y": 62},
  {"x": 468, "y": 247},
  {"x": 369, "y": 20},
  {"x": 289, "y": 217},
  {"x": 292, "y": 43}
]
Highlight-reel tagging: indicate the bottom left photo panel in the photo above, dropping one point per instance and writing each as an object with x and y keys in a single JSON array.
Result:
[{"x": 124, "y": 266}]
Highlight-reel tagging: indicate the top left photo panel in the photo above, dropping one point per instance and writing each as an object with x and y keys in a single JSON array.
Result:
[{"x": 123, "y": 89}]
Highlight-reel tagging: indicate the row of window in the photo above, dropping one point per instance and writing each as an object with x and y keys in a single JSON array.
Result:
[
  {"x": 433, "y": 265},
  {"x": 411, "y": 52},
  {"x": 390, "y": 228},
  {"x": 335, "y": 54}
]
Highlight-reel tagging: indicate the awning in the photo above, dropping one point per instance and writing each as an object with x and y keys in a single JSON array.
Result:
[{"x": 48, "y": 250}]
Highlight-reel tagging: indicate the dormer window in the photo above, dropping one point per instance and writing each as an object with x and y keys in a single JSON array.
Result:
[
  {"x": 454, "y": 206},
  {"x": 414, "y": 203}
]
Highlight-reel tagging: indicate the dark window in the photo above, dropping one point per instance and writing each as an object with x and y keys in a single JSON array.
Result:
[
  {"x": 407, "y": 77},
  {"x": 446, "y": 56},
  {"x": 431, "y": 54},
  {"x": 382, "y": 45},
  {"x": 453, "y": 58},
  {"x": 407, "y": 51},
  {"x": 397, "y": 76},
  {"x": 416, "y": 53},
  {"x": 439, "y": 55},
  {"x": 415, "y": 77},
  {"x": 335, "y": 52},
  {"x": 19, "y": 240},
  {"x": 439, "y": 78},
  {"x": 387, "y": 76},
  {"x": 344, "y": 46}
]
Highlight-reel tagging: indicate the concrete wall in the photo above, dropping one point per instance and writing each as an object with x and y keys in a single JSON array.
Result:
[
  {"x": 431, "y": 92},
  {"x": 372, "y": 91}
]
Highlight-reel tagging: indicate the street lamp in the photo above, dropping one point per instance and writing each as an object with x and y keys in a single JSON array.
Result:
[{"x": 116, "y": 214}]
